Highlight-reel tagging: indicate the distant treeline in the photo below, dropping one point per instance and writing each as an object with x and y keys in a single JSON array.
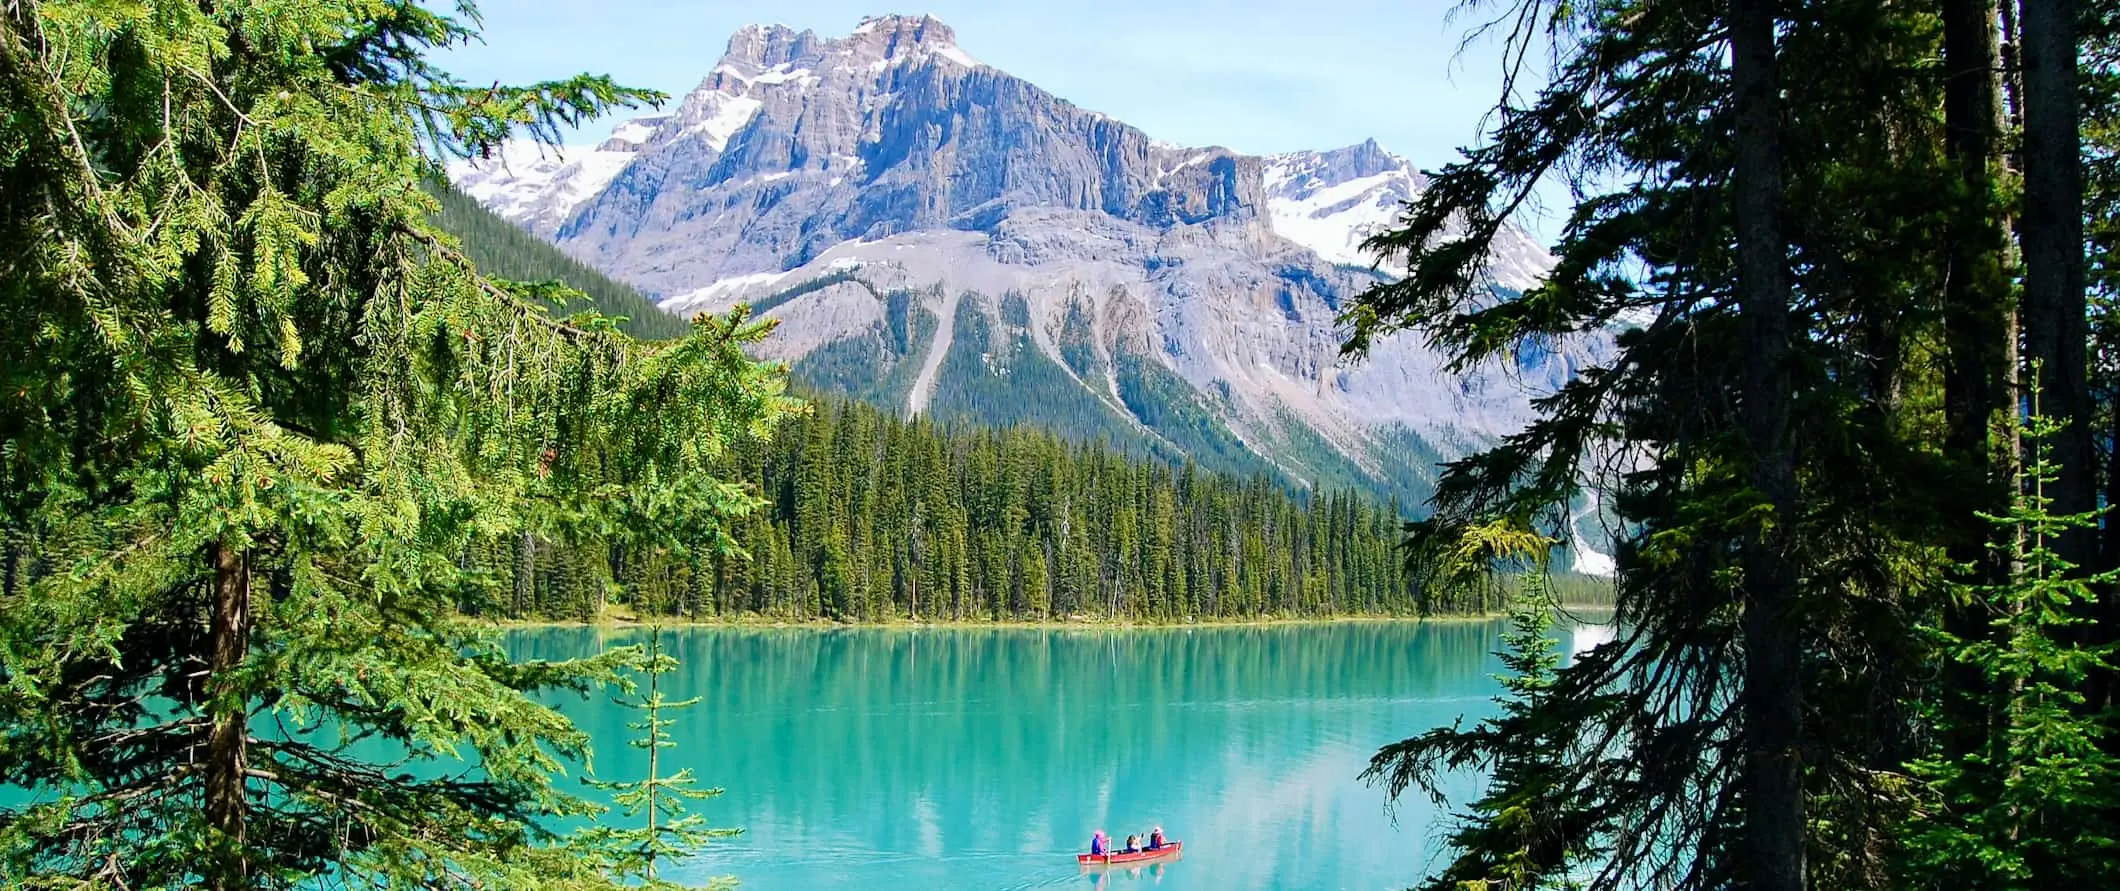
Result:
[
  {"x": 503, "y": 250},
  {"x": 870, "y": 517}
]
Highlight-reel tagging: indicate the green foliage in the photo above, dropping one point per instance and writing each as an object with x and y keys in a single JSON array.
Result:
[
  {"x": 876, "y": 518},
  {"x": 2030, "y": 807},
  {"x": 668, "y": 831},
  {"x": 994, "y": 374},
  {"x": 1508, "y": 839},
  {"x": 1077, "y": 340},
  {"x": 1160, "y": 399},
  {"x": 503, "y": 250},
  {"x": 772, "y": 301},
  {"x": 877, "y": 366},
  {"x": 1405, "y": 464},
  {"x": 1845, "y": 511},
  {"x": 258, "y": 419}
]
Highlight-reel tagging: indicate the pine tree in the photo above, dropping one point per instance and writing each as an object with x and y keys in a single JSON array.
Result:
[
  {"x": 667, "y": 831},
  {"x": 1762, "y": 254},
  {"x": 1508, "y": 840},
  {"x": 2030, "y": 806}
]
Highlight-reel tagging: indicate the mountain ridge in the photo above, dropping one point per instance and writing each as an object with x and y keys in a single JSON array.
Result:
[{"x": 938, "y": 236}]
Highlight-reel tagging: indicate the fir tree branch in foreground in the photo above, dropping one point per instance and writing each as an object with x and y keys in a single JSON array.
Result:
[{"x": 257, "y": 412}]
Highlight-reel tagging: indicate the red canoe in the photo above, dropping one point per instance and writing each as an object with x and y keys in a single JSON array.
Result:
[{"x": 1169, "y": 849}]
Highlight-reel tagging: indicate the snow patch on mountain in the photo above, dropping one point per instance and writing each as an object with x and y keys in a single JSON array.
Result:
[
  {"x": 539, "y": 186},
  {"x": 723, "y": 116},
  {"x": 719, "y": 293},
  {"x": 1334, "y": 200},
  {"x": 892, "y": 156},
  {"x": 1335, "y": 221}
]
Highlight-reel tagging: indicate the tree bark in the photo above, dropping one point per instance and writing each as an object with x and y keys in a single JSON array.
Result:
[
  {"x": 1773, "y": 686},
  {"x": 2012, "y": 57},
  {"x": 2055, "y": 329},
  {"x": 1976, "y": 288},
  {"x": 2111, "y": 552},
  {"x": 525, "y": 574},
  {"x": 1978, "y": 332},
  {"x": 227, "y": 755}
]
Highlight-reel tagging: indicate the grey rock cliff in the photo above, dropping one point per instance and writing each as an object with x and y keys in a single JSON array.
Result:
[{"x": 885, "y": 187}]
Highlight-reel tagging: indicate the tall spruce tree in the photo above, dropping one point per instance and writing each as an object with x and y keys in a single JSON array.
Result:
[
  {"x": 1824, "y": 679},
  {"x": 2029, "y": 804},
  {"x": 1507, "y": 841},
  {"x": 1763, "y": 254},
  {"x": 255, "y": 414}
]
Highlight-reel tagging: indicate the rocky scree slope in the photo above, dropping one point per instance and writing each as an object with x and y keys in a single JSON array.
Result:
[{"x": 939, "y": 236}]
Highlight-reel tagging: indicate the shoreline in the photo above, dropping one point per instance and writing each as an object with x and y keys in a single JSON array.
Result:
[{"x": 621, "y": 621}]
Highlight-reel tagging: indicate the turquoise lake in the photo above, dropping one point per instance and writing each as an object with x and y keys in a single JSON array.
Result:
[{"x": 983, "y": 759}]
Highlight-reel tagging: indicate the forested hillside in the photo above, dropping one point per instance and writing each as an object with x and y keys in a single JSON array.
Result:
[
  {"x": 503, "y": 250},
  {"x": 256, "y": 409},
  {"x": 872, "y": 517},
  {"x": 993, "y": 376}
]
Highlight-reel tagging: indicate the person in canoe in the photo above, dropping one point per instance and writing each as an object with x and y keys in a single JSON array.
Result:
[
  {"x": 1098, "y": 844},
  {"x": 1133, "y": 845},
  {"x": 1155, "y": 839}
]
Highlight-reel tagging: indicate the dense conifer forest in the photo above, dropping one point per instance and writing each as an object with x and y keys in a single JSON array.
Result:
[
  {"x": 503, "y": 250},
  {"x": 871, "y": 517}
]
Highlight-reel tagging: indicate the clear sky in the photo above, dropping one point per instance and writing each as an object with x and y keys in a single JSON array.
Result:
[{"x": 1257, "y": 76}]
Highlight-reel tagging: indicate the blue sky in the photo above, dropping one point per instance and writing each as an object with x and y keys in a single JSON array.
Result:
[
  {"x": 1254, "y": 76},
  {"x": 1257, "y": 76}
]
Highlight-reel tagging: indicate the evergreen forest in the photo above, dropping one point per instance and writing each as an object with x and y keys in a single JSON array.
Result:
[
  {"x": 285, "y": 427},
  {"x": 870, "y": 517},
  {"x": 500, "y": 248}
]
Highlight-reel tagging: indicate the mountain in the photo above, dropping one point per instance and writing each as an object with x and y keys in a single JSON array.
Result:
[{"x": 941, "y": 237}]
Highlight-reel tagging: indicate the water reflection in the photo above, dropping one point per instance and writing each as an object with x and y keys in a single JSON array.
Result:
[
  {"x": 984, "y": 759},
  {"x": 1103, "y": 877}
]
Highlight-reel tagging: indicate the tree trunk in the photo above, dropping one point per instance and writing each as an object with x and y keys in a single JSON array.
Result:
[
  {"x": 1773, "y": 690},
  {"x": 2012, "y": 58},
  {"x": 2055, "y": 330},
  {"x": 2112, "y": 497},
  {"x": 1977, "y": 328},
  {"x": 525, "y": 574},
  {"x": 226, "y": 802},
  {"x": 1976, "y": 288}
]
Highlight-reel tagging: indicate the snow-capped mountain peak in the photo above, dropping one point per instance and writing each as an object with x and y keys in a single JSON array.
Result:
[
  {"x": 539, "y": 186},
  {"x": 938, "y": 235},
  {"x": 1334, "y": 200}
]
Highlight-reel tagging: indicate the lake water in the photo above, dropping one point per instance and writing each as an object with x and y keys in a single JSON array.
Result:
[{"x": 983, "y": 759}]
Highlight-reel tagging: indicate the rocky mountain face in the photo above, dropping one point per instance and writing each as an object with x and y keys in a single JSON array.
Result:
[{"x": 939, "y": 236}]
